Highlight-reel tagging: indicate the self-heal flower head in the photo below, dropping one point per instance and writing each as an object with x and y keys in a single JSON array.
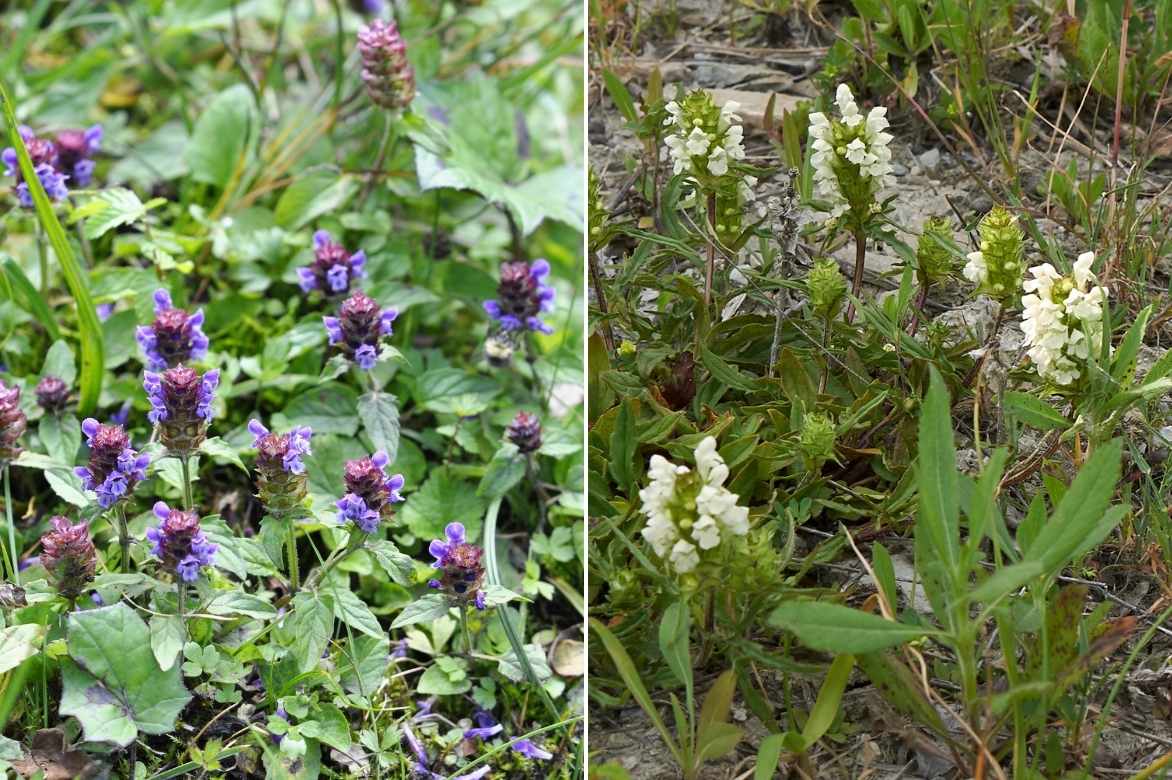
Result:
[
  {"x": 386, "y": 72},
  {"x": 359, "y": 327},
  {"x": 67, "y": 553},
  {"x": 52, "y": 394},
  {"x": 280, "y": 473},
  {"x": 114, "y": 468},
  {"x": 174, "y": 337},
  {"x": 851, "y": 156},
  {"x": 525, "y": 432},
  {"x": 461, "y": 571},
  {"x": 181, "y": 406},
  {"x": 13, "y": 423},
  {"x": 1062, "y": 319},
  {"x": 826, "y": 288},
  {"x": 934, "y": 262},
  {"x": 522, "y": 297},
  {"x": 816, "y": 440},
  {"x": 702, "y": 139},
  {"x": 996, "y": 268},
  {"x": 75, "y": 152},
  {"x": 179, "y": 543},
  {"x": 687, "y": 512},
  {"x": 333, "y": 269},
  {"x": 43, "y": 154},
  {"x": 370, "y": 492}
]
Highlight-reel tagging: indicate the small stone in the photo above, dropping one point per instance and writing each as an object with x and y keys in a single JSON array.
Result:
[{"x": 930, "y": 160}]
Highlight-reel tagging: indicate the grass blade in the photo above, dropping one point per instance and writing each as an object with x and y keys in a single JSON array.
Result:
[{"x": 89, "y": 328}]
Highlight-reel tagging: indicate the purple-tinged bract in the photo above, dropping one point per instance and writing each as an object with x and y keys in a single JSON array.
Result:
[
  {"x": 181, "y": 406},
  {"x": 461, "y": 571},
  {"x": 113, "y": 468},
  {"x": 43, "y": 154},
  {"x": 13, "y": 423},
  {"x": 179, "y": 543},
  {"x": 280, "y": 474},
  {"x": 333, "y": 269},
  {"x": 522, "y": 297},
  {"x": 52, "y": 394},
  {"x": 173, "y": 337},
  {"x": 360, "y": 325},
  {"x": 75, "y": 152},
  {"x": 370, "y": 492},
  {"x": 386, "y": 72},
  {"x": 525, "y": 432},
  {"x": 68, "y": 556}
]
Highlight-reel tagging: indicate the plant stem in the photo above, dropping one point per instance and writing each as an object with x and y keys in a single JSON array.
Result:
[
  {"x": 711, "y": 267},
  {"x": 43, "y": 257},
  {"x": 596, "y": 279},
  {"x": 291, "y": 555},
  {"x": 464, "y": 625},
  {"x": 14, "y": 563},
  {"x": 123, "y": 539},
  {"x": 181, "y": 592},
  {"x": 827, "y": 332},
  {"x": 860, "y": 264},
  {"x": 187, "y": 499}
]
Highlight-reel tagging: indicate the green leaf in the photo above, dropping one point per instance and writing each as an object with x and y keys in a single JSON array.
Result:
[
  {"x": 674, "y": 643},
  {"x": 362, "y": 664},
  {"x": 838, "y": 629},
  {"x": 936, "y": 476},
  {"x": 1005, "y": 580},
  {"x": 442, "y": 498},
  {"x": 1082, "y": 513},
  {"x": 1032, "y": 411},
  {"x": 715, "y": 736},
  {"x": 59, "y": 362},
  {"x": 829, "y": 697},
  {"x": 108, "y": 209},
  {"x": 425, "y": 608},
  {"x": 328, "y": 408},
  {"x": 353, "y": 611},
  {"x": 510, "y": 665},
  {"x": 26, "y": 296},
  {"x": 61, "y": 435},
  {"x": 379, "y": 413},
  {"x": 223, "y": 137},
  {"x": 237, "y": 602},
  {"x": 505, "y": 470},
  {"x": 89, "y": 328},
  {"x": 724, "y": 372},
  {"x": 1124, "y": 363},
  {"x": 399, "y": 566},
  {"x": 621, "y": 96},
  {"x": 311, "y": 196},
  {"x": 445, "y": 677},
  {"x": 328, "y": 724},
  {"x": 117, "y": 689},
  {"x": 626, "y": 668},
  {"x": 168, "y": 635},
  {"x": 237, "y": 554},
  {"x": 454, "y": 391},
  {"x": 18, "y": 643},
  {"x": 307, "y": 631},
  {"x": 222, "y": 452},
  {"x": 622, "y": 448},
  {"x": 768, "y": 755}
]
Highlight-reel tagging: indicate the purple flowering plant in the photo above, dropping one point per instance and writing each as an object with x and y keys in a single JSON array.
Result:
[{"x": 247, "y": 379}]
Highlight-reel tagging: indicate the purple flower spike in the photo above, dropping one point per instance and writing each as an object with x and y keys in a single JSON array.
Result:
[
  {"x": 461, "y": 571},
  {"x": 522, "y": 296},
  {"x": 369, "y": 492},
  {"x": 281, "y": 479},
  {"x": 530, "y": 750},
  {"x": 333, "y": 269},
  {"x": 13, "y": 423},
  {"x": 44, "y": 156},
  {"x": 52, "y": 394},
  {"x": 360, "y": 325},
  {"x": 388, "y": 76},
  {"x": 181, "y": 405},
  {"x": 179, "y": 543},
  {"x": 525, "y": 432},
  {"x": 174, "y": 337},
  {"x": 75, "y": 150},
  {"x": 68, "y": 556},
  {"x": 113, "y": 468}
]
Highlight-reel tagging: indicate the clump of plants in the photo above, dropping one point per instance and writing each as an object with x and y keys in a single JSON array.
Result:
[{"x": 271, "y": 506}]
